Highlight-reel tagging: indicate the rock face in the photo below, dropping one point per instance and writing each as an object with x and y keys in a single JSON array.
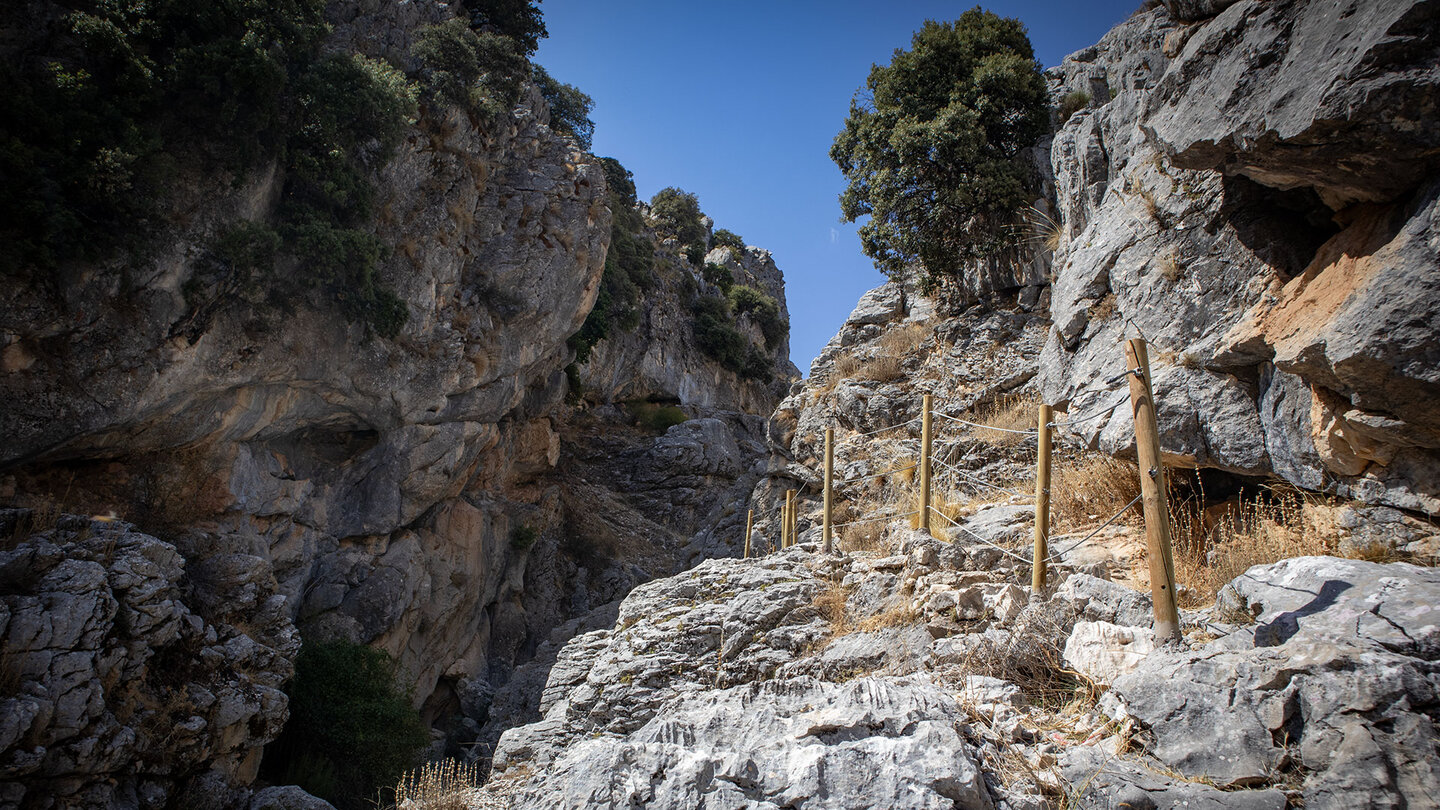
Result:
[
  {"x": 1255, "y": 191},
  {"x": 1336, "y": 680},
  {"x": 432, "y": 495},
  {"x": 659, "y": 360},
  {"x": 122, "y": 688}
]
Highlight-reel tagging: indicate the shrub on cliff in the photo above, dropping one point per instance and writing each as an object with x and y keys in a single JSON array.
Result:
[
  {"x": 480, "y": 72},
  {"x": 520, "y": 20},
  {"x": 569, "y": 108},
  {"x": 762, "y": 309},
  {"x": 351, "y": 730},
  {"x": 932, "y": 152},
  {"x": 728, "y": 239},
  {"x": 677, "y": 213},
  {"x": 629, "y": 267}
]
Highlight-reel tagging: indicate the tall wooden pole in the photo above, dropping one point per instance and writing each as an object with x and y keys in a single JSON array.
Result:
[
  {"x": 785, "y": 521},
  {"x": 925, "y": 464},
  {"x": 827, "y": 544},
  {"x": 749, "y": 524},
  {"x": 1152, "y": 490},
  {"x": 789, "y": 518},
  {"x": 1042, "y": 504},
  {"x": 794, "y": 516}
]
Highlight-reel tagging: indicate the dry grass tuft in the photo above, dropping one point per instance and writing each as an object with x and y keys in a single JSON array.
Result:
[
  {"x": 898, "y": 615},
  {"x": 1216, "y": 544},
  {"x": 883, "y": 368},
  {"x": 905, "y": 339},
  {"x": 1091, "y": 488},
  {"x": 1014, "y": 412},
  {"x": 444, "y": 785},
  {"x": 831, "y": 605},
  {"x": 1102, "y": 310},
  {"x": 866, "y": 537}
]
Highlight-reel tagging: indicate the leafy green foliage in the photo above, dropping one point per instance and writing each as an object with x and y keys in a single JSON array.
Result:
[
  {"x": 122, "y": 92},
  {"x": 92, "y": 119},
  {"x": 719, "y": 275},
  {"x": 677, "y": 214},
  {"x": 932, "y": 155},
  {"x": 629, "y": 267},
  {"x": 762, "y": 309},
  {"x": 518, "y": 20},
  {"x": 569, "y": 108},
  {"x": 718, "y": 339},
  {"x": 656, "y": 417},
  {"x": 351, "y": 731},
  {"x": 729, "y": 239},
  {"x": 480, "y": 72},
  {"x": 1073, "y": 102},
  {"x": 523, "y": 537}
]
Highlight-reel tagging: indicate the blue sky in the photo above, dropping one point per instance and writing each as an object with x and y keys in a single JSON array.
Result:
[{"x": 738, "y": 102}]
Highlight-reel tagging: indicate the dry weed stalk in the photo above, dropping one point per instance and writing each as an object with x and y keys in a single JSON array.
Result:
[
  {"x": 1091, "y": 488},
  {"x": 444, "y": 785},
  {"x": 1216, "y": 544},
  {"x": 1010, "y": 412}
]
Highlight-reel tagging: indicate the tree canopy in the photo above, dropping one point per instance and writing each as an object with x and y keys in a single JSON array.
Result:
[{"x": 931, "y": 147}]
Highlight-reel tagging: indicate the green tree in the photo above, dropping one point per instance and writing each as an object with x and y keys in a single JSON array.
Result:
[
  {"x": 677, "y": 212},
  {"x": 351, "y": 731},
  {"x": 629, "y": 267},
  {"x": 932, "y": 154},
  {"x": 480, "y": 72},
  {"x": 519, "y": 20},
  {"x": 728, "y": 239},
  {"x": 569, "y": 108}
]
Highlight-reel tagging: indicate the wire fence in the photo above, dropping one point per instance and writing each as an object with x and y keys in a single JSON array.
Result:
[{"x": 950, "y": 475}]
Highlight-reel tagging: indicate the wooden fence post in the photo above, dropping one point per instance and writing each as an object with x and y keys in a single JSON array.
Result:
[
  {"x": 749, "y": 524},
  {"x": 1152, "y": 490},
  {"x": 827, "y": 544},
  {"x": 1042, "y": 504},
  {"x": 925, "y": 463},
  {"x": 784, "y": 519},
  {"x": 789, "y": 518},
  {"x": 794, "y": 516}
]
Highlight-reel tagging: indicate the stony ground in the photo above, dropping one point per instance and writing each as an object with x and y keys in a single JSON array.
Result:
[{"x": 930, "y": 678}]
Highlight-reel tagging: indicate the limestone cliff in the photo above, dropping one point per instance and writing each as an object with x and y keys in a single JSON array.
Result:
[
  {"x": 431, "y": 494},
  {"x": 1252, "y": 186}
]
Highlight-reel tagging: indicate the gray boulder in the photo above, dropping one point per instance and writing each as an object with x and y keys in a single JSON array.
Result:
[{"x": 1333, "y": 678}]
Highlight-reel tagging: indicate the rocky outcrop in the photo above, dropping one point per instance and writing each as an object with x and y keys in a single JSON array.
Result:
[
  {"x": 1335, "y": 682},
  {"x": 433, "y": 494},
  {"x": 1252, "y": 191},
  {"x": 659, "y": 360},
  {"x": 122, "y": 687}
]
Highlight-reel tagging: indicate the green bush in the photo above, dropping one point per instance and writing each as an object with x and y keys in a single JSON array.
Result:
[
  {"x": 351, "y": 731},
  {"x": 762, "y": 309},
  {"x": 479, "y": 72},
  {"x": 106, "y": 98},
  {"x": 629, "y": 267},
  {"x": 116, "y": 98},
  {"x": 943, "y": 123},
  {"x": 1073, "y": 102},
  {"x": 569, "y": 108},
  {"x": 719, "y": 275},
  {"x": 519, "y": 20},
  {"x": 523, "y": 537},
  {"x": 677, "y": 214},
  {"x": 656, "y": 417},
  {"x": 729, "y": 239}
]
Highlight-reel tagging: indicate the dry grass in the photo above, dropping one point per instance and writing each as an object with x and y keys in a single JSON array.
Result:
[
  {"x": 1170, "y": 267},
  {"x": 1102, "y": 310},
  {"x": 1216, "y": 544},
  {"x": 1015, "y": 412},
  {"x": 444, "y": 785},
  {"x": 1091, "y": 488},
  {"x": 905, "y": 339},
  {"x": 867, "y": 537},
  {"x": 884, "y": 368},
  {"x": 898, "y": 615},
  {"x": 831, "y": 605}
]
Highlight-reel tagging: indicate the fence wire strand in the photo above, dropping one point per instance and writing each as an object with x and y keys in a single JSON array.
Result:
[
  {"x": 1090, "y": 416},
  {"x": 1000, "y": 549},
  {"x": 877, "y": 518},
  {"x": 1030, "y": 432},
  {"x": 883, "y": 429},
  {"x": 1055, "y": 556},
  {"x": 838, "y": 481},
  {"x": 972, "y": 478}
]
